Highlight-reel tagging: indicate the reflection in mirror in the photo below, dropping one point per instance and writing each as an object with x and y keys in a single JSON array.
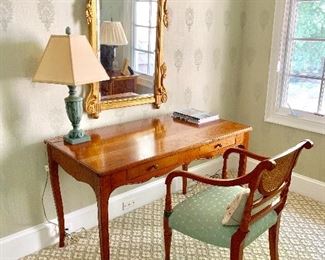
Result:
[{"x": 128, "y": 47}]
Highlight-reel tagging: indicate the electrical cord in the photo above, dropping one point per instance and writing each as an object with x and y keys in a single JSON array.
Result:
[
  {"x": 43, "y": 195},
  {"x": 43, "y": 205}
]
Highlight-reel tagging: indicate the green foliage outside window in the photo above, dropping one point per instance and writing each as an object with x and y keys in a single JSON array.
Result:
[{"x": 308, "y": 56}]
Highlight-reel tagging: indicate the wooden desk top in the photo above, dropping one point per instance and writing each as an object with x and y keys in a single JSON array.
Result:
[{"x": 118, "y": 147}]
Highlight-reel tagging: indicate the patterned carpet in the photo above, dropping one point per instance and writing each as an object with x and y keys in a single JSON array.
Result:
[{"x": 139, "y": 235}]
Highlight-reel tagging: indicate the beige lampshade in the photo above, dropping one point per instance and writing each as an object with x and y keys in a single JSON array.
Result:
[
  {"x": 69, "y": 60},
  {"x": 112, "y": 33}
]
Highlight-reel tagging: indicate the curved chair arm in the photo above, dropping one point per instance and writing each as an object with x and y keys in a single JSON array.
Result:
[{"x": 244, "y": 152}]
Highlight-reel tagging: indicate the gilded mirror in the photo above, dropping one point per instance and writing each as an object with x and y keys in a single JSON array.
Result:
[{"x": 127, "y": 35}]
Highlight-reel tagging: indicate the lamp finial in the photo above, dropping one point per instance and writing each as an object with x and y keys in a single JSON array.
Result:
[{"x": 68, "y": 30}]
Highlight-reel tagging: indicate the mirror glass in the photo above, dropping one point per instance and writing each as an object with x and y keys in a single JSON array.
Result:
[{"x": 127, "y": 45}]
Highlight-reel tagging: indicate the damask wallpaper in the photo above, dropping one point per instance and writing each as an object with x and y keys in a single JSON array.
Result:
[
  {"x": 217, "y": 52},
  {"x": 202, "y": 51},
  {"x": 269, "y": 138}
]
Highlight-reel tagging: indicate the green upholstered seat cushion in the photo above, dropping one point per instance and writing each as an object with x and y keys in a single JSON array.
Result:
[{"x": 200, "y": 217}]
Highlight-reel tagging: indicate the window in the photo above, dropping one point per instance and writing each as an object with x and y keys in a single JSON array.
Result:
[
  {"x": 144, "y": 36},
  {"x": 296, "y": 88}
]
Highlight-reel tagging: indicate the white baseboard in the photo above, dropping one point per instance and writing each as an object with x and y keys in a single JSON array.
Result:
[
  {"x": 35, "y": 238},
  {"x": 308, "y": 187}
]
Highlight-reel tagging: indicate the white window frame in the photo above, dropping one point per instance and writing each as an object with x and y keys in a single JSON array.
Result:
[
  {"x": 146, "y": 76},
  {"x": 274, "y": 113}
]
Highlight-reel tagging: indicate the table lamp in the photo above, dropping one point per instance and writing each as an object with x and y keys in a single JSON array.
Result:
[
  {"x": 70, "y": 60},
  {"x": 112, "y": 35}
]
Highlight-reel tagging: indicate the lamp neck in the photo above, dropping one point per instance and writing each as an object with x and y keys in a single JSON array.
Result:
[{"x": 72, "y": 90}]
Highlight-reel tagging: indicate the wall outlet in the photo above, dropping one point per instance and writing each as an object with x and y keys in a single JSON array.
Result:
[
  {"x": 53, "y": 230},
  {"x": 128, "y": 204}
]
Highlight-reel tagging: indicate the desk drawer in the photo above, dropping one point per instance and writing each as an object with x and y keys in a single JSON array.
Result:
[
  {"x": 219, "y": 146},
  {"x": 153, "y": 166}
]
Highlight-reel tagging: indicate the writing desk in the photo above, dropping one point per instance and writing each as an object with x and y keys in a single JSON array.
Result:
[{"x": 135, "y": 152}]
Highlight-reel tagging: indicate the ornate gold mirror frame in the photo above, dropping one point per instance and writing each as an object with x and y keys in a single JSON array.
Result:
[{"x": 93, "y": 104}]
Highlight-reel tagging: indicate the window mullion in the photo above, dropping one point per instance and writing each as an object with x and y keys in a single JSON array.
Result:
[
  {"x": 321, "y": 92},
  {"x": 149, "y": 42},
  {"x": 288, "y": 51}
]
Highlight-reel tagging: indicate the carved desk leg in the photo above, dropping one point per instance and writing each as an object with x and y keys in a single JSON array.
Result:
[
  {"x": 185, "y": 168},
  {"x": 55, "y": 184},
  {"x": 102, "y": 194}
]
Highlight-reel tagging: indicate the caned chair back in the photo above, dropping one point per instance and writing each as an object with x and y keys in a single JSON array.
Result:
[{"x": 272, "y": 185}]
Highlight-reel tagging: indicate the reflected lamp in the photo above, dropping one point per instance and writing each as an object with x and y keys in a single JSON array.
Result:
[{"x": 111, "y": 35}]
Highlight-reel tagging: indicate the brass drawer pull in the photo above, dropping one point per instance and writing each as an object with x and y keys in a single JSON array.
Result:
[
  {"x": 218, "y": 146},
  {"x": 153, "y": 167}
]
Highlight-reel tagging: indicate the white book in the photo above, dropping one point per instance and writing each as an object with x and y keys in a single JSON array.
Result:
[{"x": 195, "y": 116}]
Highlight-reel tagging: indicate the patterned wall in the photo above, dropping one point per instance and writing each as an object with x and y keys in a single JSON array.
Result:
[
  {"x": 268, "y": 138},
  {"x": 202, "y": 49}
]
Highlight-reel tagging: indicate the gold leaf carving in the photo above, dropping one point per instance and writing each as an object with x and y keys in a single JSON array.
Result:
[
  {"x": 163, "y": 70},
  {"x": 89, "y": 12},
  {"x": 165, "y": 18}
]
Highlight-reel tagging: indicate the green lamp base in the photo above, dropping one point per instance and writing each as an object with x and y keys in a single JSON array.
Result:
[
  {"x": 79, "y": 140},
  {"x": 73, "y": 105}
]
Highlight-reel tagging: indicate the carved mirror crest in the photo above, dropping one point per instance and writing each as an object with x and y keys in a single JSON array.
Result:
[{"x": 127, "y": 35}]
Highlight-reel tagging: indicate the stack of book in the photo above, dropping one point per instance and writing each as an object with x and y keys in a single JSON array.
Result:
[{"x": 195, "y": 116}]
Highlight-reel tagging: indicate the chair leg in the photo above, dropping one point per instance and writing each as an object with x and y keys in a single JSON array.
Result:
[
  {"x": 167, "y": 238},
  {"x": 184, "y": 168},
  {"x": 236, "y": 252},
  {"x": 237, "y": 245},
  {"x": 274, "y": 240}
]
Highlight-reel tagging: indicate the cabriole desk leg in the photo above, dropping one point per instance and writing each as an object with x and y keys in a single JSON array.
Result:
[
  {"x": 55, "y": 184},
  {"x": 102, "y": 196}
]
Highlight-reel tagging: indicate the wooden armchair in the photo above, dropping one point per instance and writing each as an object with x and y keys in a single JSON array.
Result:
[{"x": 204, "y": 216}]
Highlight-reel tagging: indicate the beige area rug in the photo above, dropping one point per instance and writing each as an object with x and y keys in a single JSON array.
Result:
[{"x": 139, "y": 235}]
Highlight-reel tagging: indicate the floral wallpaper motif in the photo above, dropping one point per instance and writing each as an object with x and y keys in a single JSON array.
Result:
[
  {"x": 209, "y": 18},
  {"x": 189, "y": 18},
  {"x": 243, "y": 19},
  {"x": 198, "y": 58},
  {"x": 250, "y": 55},
  {"x": 233, "y": 55},
  {"x": 216, "y": 57},
  {"x": 264, "y": 19},
  {"x": 46, "y": 13},
  {"x": 227, "y": 19},
  {"x": 6, "y": 13},
  {"x": 178, "y": 56},
  {"x": 188, "y": 96},
  {"x": 207, "y": 93}
]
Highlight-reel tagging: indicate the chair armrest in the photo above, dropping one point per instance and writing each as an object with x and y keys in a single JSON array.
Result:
[{"x": 244, "y": 152}]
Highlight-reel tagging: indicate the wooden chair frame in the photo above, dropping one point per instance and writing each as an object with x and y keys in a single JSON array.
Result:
[{"x": 253, "y": 179}]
